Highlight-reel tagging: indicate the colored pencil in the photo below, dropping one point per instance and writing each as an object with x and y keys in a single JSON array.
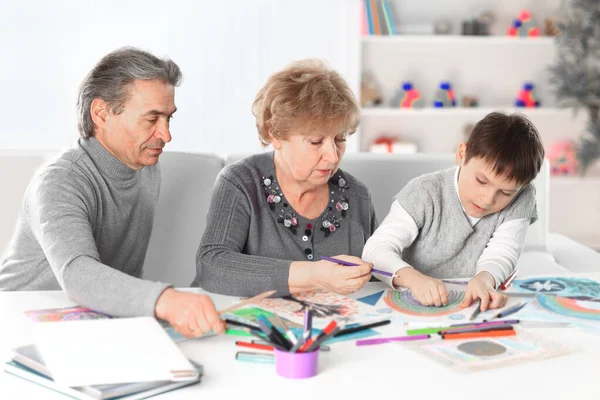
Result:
[
  {"x": 476, "y": 311},
  {"x": 349, "y": 264},
  {"x": 474, "y": 335},
  {"x": 360, "y": 328},
  {"x": 510, "y": 310},
  {"x": 251, "y": 300}
]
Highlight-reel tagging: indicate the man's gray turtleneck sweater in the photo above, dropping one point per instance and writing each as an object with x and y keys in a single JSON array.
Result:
[{"x": 84, "y": 228}]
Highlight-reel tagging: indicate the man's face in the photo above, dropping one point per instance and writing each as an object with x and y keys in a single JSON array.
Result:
[{"x": 138, "y": 133}]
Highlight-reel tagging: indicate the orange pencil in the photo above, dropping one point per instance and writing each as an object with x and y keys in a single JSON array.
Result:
[{"x": 475, "y": 335}]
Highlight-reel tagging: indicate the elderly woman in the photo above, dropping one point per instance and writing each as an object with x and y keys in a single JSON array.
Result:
[{"x": 274, "y": 215}]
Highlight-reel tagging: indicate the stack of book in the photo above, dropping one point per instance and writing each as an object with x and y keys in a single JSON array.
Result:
[
  {"x": 27, "y": 364},
  {"x": 101, "y": 358}
]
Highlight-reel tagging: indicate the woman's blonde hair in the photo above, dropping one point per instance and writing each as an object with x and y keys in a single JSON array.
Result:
[{"x": 305, "y": 91}]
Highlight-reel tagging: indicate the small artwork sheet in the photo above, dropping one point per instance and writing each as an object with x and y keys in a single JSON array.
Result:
[
  {"x": 64, "y": 314},
  {"x": 325, "y": 306},
  {"x": 579, "y": 288},
  {"x": 486, "y": 353},
  {"x": 401, "y": 306}
]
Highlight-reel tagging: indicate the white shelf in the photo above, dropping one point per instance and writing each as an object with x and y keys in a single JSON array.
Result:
[
  {"x": 459, "y": 39},
  {"x": 460, "y": 111}
]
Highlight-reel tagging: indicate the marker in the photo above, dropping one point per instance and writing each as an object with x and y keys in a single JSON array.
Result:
[
  {"x": 290, "y": 335},
  {"x": 260, "y": 358},
  {"x": 325, "y": 332},
  {"x": 255, "y": 346},
  {"x": 503, "y": 327},
  {"x": 474, "y": 335},
  {"x": 317, "y": 343},
  {"x": 508, "y": 280},
  {"x": 349, "y": 264},
  {"x": 360, "y": 328},
  {"x": 242, "y": 324},
  {"x": 367, "y": 342},
  {"x": 275, "y": 337}
]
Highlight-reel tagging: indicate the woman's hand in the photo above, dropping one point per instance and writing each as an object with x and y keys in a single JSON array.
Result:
[{"x": 341, "y": 279}]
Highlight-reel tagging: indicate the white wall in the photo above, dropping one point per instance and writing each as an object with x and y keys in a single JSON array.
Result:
[{"x": 226, "y": 50}]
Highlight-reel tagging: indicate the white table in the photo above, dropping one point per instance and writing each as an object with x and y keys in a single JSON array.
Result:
[{"x": 388, "y": 370}]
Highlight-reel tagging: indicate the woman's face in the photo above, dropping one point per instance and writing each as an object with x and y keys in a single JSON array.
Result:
[{"x": 311, "y": 152}]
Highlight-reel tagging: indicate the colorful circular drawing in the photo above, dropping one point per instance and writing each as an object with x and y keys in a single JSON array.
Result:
[
  {"x": 570, "y": 307},
  {"x": 542, "y": 285},
  {"x": 404, "y": 302},
  {"x": 482, "y": 348}
]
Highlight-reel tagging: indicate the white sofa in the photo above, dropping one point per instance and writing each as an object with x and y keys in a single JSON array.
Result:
[{"x": 187, "y": 182}]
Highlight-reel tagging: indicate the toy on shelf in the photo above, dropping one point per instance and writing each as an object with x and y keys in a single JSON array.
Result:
[
  {"x": 478, "y": 26},
  {"x": 524, "y": 26},
  {"x": 444, "y": 96},
  {"x": 553, "y": 27},
  {"x": 387, "y": 144},
  {"x": 370, "y": 95},
  {"x": 563, "y": 158},
  {"x": 470, "y": 101},
  {"x": 407, "y": 96},
  {"x": 442, "y": 27},
  {"x": 526, "y": 97}
]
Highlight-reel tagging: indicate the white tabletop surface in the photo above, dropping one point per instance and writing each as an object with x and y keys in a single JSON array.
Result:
[{"x": 389, "y": 370}]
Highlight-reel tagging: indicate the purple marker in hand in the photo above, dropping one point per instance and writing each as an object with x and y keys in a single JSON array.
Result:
[{"x": 349, "y": 264}]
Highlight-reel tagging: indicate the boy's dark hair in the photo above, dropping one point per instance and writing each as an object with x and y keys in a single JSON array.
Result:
[{"x": 510, "y": 143}]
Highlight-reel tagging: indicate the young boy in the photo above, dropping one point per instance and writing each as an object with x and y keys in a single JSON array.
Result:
[{"x": 465, "y": 221}]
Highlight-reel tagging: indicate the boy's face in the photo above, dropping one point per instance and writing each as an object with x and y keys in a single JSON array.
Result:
[{"x": 482, "y": 191}]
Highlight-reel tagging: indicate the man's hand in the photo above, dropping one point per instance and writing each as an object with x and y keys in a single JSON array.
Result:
[
  {"x": 190, "y": 314},
  {"x": 482, "y": 287}
]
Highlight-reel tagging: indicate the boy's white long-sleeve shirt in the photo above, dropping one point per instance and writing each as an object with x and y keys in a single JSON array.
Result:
[{"x": 398, "y": 231}]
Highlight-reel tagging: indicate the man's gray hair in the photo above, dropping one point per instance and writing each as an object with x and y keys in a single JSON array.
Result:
[{"x": 110, "y": 78}]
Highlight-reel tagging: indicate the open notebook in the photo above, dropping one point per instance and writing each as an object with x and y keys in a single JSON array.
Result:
[{"x": 110, "y": 351}]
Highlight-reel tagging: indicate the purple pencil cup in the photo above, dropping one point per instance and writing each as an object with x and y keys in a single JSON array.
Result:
[{"x": 296, "y": 365}]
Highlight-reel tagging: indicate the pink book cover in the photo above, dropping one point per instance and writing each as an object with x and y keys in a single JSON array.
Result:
[
  {"x": 363, "y": 20},
  {"x": 64, "y": 314}
]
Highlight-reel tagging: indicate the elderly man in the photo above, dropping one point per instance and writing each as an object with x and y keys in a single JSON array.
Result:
[{"x": 86, "y": 218}]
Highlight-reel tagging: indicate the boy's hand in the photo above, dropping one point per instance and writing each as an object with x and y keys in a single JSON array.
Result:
[
  {"x": 428, "y": 291},
  {"x": 482, "y": 287}
]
